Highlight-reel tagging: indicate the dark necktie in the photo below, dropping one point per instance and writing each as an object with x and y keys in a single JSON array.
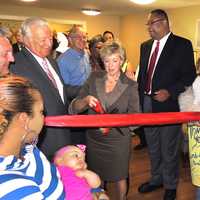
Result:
[
  {"x": 151, "y": 68},
  {"x": 48, "y": 72}
]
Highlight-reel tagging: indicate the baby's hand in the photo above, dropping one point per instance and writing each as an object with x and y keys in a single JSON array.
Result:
[
  {"x": 92, "y": 178},
  {"x": 81, "y": 173}
]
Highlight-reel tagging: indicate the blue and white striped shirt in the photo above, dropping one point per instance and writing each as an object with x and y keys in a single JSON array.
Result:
[{"x": 32, "y": 178}]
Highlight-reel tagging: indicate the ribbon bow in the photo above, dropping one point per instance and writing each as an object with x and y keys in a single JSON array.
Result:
[{"x": 82, "y": 147}]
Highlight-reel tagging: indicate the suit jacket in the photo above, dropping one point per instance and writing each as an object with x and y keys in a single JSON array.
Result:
[
  {"x": 125, "y": 98},
  {"x": 15, "y": 47},
  {"x": 174, "y": 71},
  {"x": 27, "y": 66}
]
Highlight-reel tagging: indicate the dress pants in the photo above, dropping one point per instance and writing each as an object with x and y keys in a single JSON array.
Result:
[{"x": 163, "y": 145}]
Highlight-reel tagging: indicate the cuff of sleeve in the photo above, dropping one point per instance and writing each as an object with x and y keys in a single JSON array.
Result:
[{"x": 94, "y": 190}]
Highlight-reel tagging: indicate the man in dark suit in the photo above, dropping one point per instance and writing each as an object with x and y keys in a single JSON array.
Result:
[
  {"x": 18, "y": 45},
  {"x": 34, "y": 63},
  {"x": 159, "y": 86}
]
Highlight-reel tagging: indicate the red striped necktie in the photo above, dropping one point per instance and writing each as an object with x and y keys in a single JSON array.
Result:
[
  {"x": 151, "y": 68},
  {"x": 48, "y": 72}
]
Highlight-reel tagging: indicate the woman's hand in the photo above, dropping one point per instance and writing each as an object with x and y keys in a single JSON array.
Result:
[
  {"x": 130, "y": 74},
  {"x": 91, "y": 101}
]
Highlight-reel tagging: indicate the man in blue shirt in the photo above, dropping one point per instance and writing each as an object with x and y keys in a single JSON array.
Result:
[
  {"x": 75, "y": 68},
  {"x": 74, "y": 63}
]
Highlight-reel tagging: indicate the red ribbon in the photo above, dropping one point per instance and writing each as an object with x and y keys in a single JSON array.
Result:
[
  {"x": 120, "y": 120},
  {"x": 99, "y": 109}
]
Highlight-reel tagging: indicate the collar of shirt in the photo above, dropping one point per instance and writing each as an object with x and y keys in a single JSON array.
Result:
[
  {"x": 77, "y": 53},
  {"x": 161, "y": 45},
  {"x": 12, "y": 162},
  {"x": 38, "y": 58}
]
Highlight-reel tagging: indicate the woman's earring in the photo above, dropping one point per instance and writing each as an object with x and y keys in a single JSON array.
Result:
[
  {"x": 23, "y": 137},
  {"x": 3, "y": 124}
]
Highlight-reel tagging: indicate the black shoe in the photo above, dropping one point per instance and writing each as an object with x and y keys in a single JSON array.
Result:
[
  {"x": 170, "y": 194},
  {"x": 140, "y": 146},
  {"x": 147, "y": 187}
]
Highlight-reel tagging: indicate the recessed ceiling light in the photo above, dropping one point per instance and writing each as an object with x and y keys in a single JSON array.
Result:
[
  {"x": 143, "y": 2},
  {"x": 90, "y": 11},
  {"x": 28, "y": 0}
]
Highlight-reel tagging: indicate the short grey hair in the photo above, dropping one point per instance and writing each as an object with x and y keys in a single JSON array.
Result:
[
  {"x": 112, "y": 48},
  {"x": 26, "y": 25},
  {"x": 74, "y": 30}
]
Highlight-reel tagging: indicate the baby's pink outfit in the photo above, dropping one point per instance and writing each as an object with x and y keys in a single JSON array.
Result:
[{"x": 76, "y": 188}]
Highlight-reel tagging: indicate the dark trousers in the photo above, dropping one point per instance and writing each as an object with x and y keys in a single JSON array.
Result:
[{"x": 163, "y": 145}]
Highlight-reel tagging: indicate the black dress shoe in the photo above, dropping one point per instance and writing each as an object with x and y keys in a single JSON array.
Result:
[
  {"x": 147, "y": 187},
  {"x": 170, "y": 194}
]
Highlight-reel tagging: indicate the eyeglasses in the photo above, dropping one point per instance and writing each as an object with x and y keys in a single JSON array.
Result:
[
  {"x": 154, "y": 22},
  {"x": 79, "y": 37}
]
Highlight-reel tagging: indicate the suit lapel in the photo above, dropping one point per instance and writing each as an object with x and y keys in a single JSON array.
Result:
[
  {"x": 55, "y": 66},
  {"x": 100, "y": 88},
  {"x": 118, "y": 90},
  {"x": 40, "y": 72},
  {"x": 147, "y": 53}
]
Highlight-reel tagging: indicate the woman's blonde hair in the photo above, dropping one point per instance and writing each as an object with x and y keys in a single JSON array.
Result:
[{"x": 112, "y": 48}]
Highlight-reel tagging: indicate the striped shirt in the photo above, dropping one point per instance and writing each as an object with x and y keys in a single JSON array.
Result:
[{"x": 32, "y": 178}]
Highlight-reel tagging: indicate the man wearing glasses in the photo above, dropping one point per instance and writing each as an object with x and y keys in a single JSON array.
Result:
[
  {"x": 166, "y": 68},
  {"x": 74, "y": 63}
]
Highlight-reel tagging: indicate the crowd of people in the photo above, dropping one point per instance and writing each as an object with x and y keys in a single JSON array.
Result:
[{"x": 40, "y": 162}]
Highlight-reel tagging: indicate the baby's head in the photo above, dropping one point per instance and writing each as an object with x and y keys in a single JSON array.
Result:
[{"x": 71, "y": 156}]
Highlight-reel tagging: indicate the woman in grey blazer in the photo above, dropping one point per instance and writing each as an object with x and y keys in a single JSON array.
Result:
[{"x": 108, "y": 155}]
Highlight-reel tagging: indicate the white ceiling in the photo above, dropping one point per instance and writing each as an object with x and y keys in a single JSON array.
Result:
[{"x": 108, "y": 7}]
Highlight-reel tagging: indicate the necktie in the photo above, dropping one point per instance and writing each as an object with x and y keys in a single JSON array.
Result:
[
  {"x": 48, "y": 72},
  {"x": 151, "y": 68}
]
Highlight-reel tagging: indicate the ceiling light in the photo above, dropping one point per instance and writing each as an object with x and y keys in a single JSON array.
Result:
[
  {"x": 142, "y": 2},
  {"x": 90, "y": 11},
  {"x": 28, "y": 0}
]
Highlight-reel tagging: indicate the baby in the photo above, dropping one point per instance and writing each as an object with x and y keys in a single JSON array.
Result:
[{"x": 78, "y": 181}]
